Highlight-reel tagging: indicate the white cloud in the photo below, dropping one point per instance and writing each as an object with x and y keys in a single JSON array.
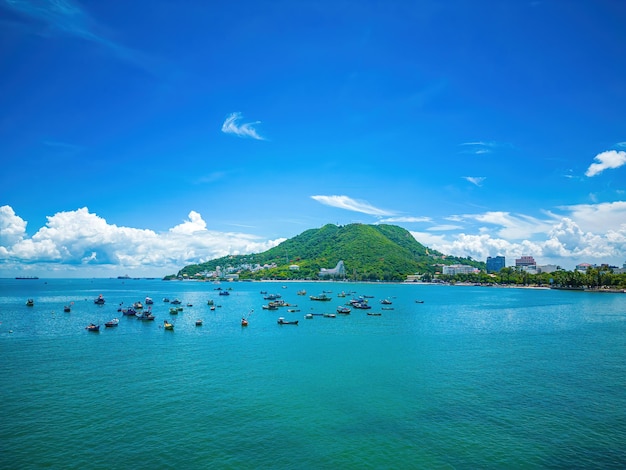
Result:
[
  {"x": 477, "y": 180},
  {"x": 193, "y": 225},
  {"x": 511, "y": 226},
  {"x": 12, "y": 227},
  {"x": 397, "y": 220},
  {"x": 607, "y": 215},
  {"x": 232, "y": 126},
  {"x": 565, "y": 240},
  {"x": 80, "y": 238},
  {"x": 444, "y": 228},
  {"x": 610, "y": 159},
  {"x": 344, "y": 202}
]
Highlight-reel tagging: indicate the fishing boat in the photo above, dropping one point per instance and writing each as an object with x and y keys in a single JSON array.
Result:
[
  {"x": 149, "y": 301},
  {"x": 322, "y": 297},
  {"x": 224, "y": 292},
  {"x": 166, "y": 300},
  {"x": 30, "y": 303},
  {"x": 176, "y": 302},
  {"x": 137, "y": 305},
  {"x": 282, "y": 321},
  {"x": 173, "y": 311},
  {"x": 330, "y": 315},
  {"x": 92, "y": 327},
  {"x": 244, "y": 320},
  {"x": 308, "y": 316},
  {"x": 112, "y": 323},
  {"x": 198, "y": 322},
  {"x": 374, "y": 314},
  {"x": 145, "y": 316},
  {"x": 386, "y": 302},
  {"x": 129, "y": 312},
  {"x": 99, "y": 300},
  {"x": 167, "y": 325},
  {"x": 301, "y": 292},
  {"x": 343, "y": 309},
  {"x": 419, "y": 301},
  {"x": 67, "y": 308}
]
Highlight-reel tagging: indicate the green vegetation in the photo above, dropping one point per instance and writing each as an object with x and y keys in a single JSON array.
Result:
[
  {"x": 595, "y": 278},
  {"x": 369, "y": 252}
]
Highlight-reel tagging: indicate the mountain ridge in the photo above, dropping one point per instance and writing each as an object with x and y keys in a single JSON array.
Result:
[{"x": 369, "y": 252}]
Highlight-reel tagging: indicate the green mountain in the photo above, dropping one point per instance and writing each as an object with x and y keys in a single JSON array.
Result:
[{"x": 369, "y": 252}]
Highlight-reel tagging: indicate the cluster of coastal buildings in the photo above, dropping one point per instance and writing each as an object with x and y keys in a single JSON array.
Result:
[
  {"x": 525, "y": 264},
  {"x": 494, "y": 265}
]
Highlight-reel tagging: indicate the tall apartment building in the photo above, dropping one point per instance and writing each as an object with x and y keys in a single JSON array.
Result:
[{"x": 495, "y": 264}]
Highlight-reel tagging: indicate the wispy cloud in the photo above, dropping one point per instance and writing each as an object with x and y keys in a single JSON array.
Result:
[
  {"x": 482, "y": 147},
  {"x": 444, "y": 228},
  {"x": 69, "y": 18},
  {"x": 477, "y": 180},
  {"x": 406, "y": 219},
  {"x": 211, "y": 177},
  {"x": 610, "y": 159},
  {"x": 512, "y": 226},
  {"x": 233, "y": 126},
  {"x": 344, "y": 202}
]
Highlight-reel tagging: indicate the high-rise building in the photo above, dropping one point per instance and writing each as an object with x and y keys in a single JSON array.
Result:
[
  {"x": 525, "y": 261},
  {"x": 495, "y": 264}
]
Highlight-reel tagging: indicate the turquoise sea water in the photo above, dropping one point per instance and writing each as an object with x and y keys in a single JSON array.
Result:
[{"x": 473, "y": 377}]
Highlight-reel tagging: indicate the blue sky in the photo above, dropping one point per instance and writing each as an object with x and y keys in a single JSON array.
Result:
[{"x": 138, "y": 137}]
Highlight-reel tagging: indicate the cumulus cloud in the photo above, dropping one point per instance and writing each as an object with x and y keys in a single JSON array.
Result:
[
  {"x": 610, "y": 159},
  {"x": 608, "y": 215},
  {"x": 233, "y": 126},
  {"x": 345, "y": 202},
  {"x": 193, "y": 225},
  {"x": 78, "y": 238},
  {"x": 12, "y": 227},
  {"x": 562, "y": 240}
]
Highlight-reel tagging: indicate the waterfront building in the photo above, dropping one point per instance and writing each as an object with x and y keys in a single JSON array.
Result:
[
  {"x": 459, "y": 269},
  {"x": 583, "y": 267},
  {"x": 548, "y": 268},
  {"x": 525, "y": 261},
  {"x": 495, "y": 264}
]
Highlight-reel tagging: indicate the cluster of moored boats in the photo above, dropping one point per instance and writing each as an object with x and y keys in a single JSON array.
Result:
[{"x": 275, "y": 302}]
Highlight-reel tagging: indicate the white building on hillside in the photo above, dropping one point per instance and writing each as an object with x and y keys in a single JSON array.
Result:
[{"x": 459, "y": 269}]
